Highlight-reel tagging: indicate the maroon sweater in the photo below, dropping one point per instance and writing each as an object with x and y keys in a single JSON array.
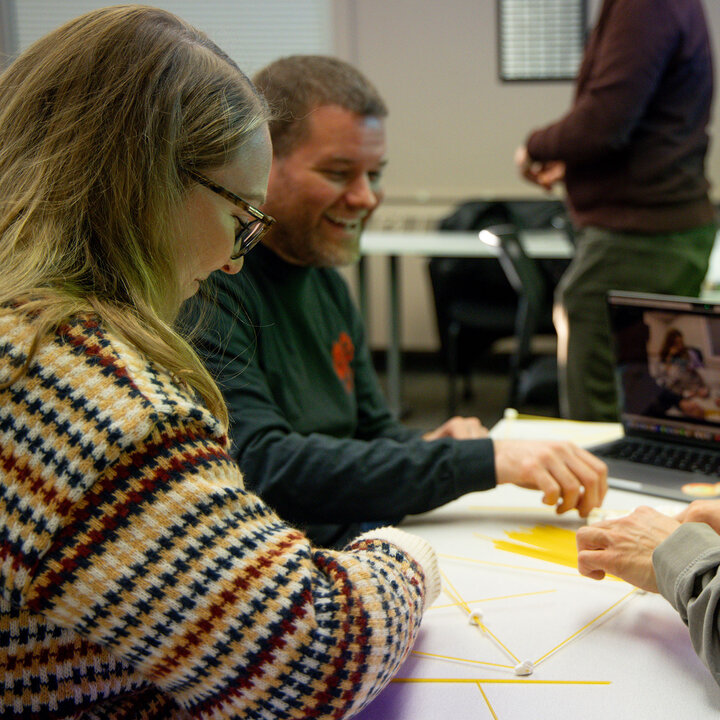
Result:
[{"x": 635, "y": 139}]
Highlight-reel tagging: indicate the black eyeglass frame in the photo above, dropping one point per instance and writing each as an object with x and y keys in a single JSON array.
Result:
[{"x": 251, "y": 234}]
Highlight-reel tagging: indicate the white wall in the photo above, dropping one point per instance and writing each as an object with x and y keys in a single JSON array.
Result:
[
  {"x": 453, "y": 126},
  {"x": 7, "y": 37},
  {"x": 252, "y": 32}
]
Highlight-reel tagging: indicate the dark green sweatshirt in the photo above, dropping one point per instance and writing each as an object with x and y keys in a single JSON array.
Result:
[{"x": 309, "y": 425}]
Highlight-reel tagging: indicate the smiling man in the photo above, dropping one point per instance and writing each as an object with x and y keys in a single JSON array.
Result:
[
  {"x": 328, "y": 187},
  {"x": 309, "y": 425}
]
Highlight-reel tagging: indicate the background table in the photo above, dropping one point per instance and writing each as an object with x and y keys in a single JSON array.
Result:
[
  {"x": 393, "y": 245},
  {"x": 633, "y": 660}
]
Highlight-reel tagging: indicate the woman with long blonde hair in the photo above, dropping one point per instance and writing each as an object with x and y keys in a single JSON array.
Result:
[{"x": 139, "y": 578}]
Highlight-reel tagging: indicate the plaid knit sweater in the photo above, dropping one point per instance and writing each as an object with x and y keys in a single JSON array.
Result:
[{"x": 141, "y": 580}]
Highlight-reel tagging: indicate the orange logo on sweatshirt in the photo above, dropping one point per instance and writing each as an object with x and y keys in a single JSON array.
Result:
[{"x": 343, "y": 351}]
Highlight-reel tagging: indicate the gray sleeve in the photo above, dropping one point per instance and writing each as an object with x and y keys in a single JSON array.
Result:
[{"x": 686, "y": 567}]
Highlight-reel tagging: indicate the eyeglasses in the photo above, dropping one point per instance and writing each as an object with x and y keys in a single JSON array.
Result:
[{"x": 250, "y": 231}]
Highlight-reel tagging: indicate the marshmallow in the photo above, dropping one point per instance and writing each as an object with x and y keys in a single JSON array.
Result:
[
  {"x": 524, "y": 668},
  {"x": 475, "y": 618}
]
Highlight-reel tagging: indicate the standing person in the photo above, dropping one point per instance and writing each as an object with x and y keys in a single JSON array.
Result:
[
  {"x": 139, "y": 578},
  {"x": 309, "y": 424},
  {"x": 631, "y": 151}
]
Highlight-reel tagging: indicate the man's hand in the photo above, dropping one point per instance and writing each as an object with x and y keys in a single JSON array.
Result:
[
  {"x": 623, "y": 547},
  {"x": 702, "y": 511},
  {"x": 551, "y": 173},
  {"x": 568, "y": 476},
  {"x": 460, "y": 428},
  {"x": 545, "y": 174}
]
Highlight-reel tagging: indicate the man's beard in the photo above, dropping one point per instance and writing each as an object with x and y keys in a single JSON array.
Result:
[{"x": 320, "y": 252}]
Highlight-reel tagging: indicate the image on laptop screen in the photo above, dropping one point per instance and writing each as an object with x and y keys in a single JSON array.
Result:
[{"x": 668, "y": 365}]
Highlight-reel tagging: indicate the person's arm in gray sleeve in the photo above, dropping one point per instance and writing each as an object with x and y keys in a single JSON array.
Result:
[{"x": 687, "y": 567}]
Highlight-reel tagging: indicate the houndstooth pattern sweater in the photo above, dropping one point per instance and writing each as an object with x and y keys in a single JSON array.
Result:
[{"x": 141, "y": 580}]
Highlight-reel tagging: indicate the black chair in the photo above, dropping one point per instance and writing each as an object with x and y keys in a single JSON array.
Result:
[
  {"x": 475, "y": 305},
  {"x": 533, "y": 376},
  {"x": 470, "y": 322},
  {"x": 541, "y": 214}
]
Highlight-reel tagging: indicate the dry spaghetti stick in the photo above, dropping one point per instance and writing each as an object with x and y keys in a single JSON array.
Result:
[
  {"x": 477, "y": 618},
  {"x": 485, "y": 697},
  {"x": 485, "y": 628},
  {"x": 462, "y": 660},
  {"x": 504, "y": 681},
  {"x": 454, "y": 594},
  {"x": 492, "y": 599},
  {"x": 530, "y": 549},
  {"x": 584, "y": 627},
  {"x": 514, "y": 567}
]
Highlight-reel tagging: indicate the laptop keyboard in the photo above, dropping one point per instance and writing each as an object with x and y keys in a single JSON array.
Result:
[{"x": 674, "y": 458}]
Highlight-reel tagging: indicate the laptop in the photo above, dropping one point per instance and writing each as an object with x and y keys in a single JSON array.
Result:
[{"x": 667, "y": 352}]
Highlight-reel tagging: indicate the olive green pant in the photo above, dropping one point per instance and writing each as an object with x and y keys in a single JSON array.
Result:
[{"x": 668, "y": 264}]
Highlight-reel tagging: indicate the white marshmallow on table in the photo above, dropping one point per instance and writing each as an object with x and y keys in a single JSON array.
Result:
[{"x": 475, "y": 617}]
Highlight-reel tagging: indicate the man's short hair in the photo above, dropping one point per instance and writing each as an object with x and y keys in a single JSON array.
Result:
[{"x": 295, "y": 85}]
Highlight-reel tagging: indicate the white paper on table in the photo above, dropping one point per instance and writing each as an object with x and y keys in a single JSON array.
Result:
[{"x": 582, "y": 433}]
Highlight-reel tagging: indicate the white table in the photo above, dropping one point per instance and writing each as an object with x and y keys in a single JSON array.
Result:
[
  {"x": 539, "y": 243},
  {"x": 393, "y": 244},
  {"x": 633, "y": 660}
]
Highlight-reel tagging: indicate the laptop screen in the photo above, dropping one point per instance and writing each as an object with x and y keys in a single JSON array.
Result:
[{"x": 667, "y": 353}]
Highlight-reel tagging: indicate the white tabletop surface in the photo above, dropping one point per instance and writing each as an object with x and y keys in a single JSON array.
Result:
[
  {"x": 633, "y": 661},
  {"x": 538, "y": 243}
]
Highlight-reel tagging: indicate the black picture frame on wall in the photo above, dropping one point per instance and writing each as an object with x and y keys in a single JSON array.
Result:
[{"x": 540, "y": 40}]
